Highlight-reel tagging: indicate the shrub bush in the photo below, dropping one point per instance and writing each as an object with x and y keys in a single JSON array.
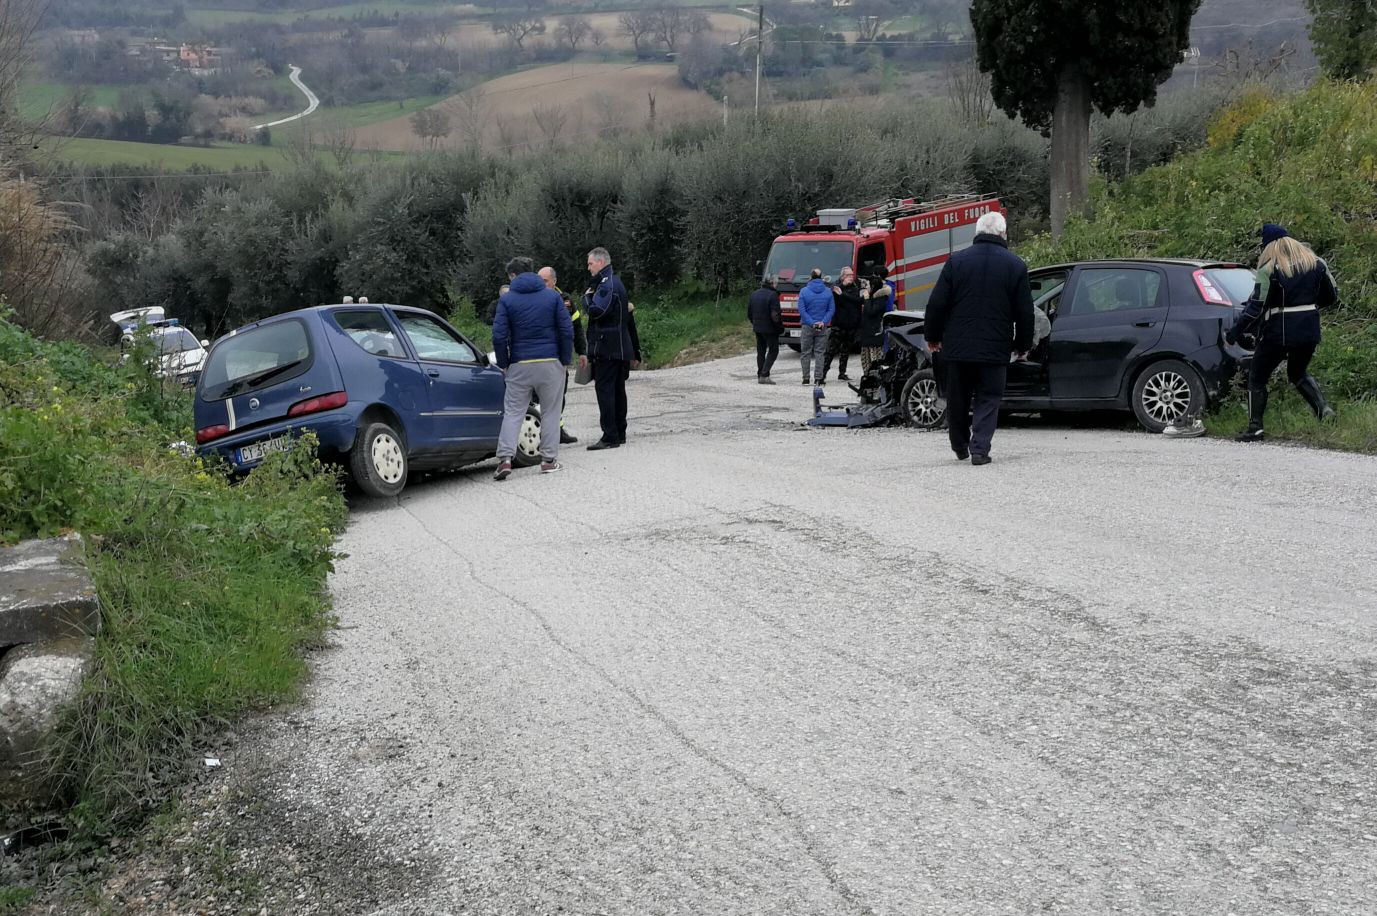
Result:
[{"x": 208, "y": 591}]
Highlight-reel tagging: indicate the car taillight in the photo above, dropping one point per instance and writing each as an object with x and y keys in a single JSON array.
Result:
[
  {"x": 316, "y": 405},
  {"x": 211, "y": 433},
  {"x": 1208, "y": 291}
]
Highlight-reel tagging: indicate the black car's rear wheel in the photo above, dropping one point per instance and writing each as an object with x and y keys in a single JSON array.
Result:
[
  {"x": 919, "y": 403},
  {"x": 1166, "y": 391}
]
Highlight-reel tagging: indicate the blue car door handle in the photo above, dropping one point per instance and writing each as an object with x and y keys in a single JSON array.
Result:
[
  {"x": 1144, "y": 324},
  {"x": 433, "y": 373}
]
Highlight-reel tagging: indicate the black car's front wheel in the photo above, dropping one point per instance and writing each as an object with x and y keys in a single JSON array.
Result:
[
  {"x": 919, "y": 403},
  {"x": 1166, "y": 391}
]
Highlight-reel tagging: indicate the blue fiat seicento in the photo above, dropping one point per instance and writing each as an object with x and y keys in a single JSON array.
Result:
[{"x": 386, "y": 389}]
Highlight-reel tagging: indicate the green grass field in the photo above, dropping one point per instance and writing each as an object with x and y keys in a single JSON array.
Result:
[
  {"x": 216, "y": 17},
  {"x": 219, "y": 157},
  {"x": 37, "y": 99}
]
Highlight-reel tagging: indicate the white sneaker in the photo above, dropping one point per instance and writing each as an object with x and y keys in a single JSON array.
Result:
[{"x": 1185, "y": 428}]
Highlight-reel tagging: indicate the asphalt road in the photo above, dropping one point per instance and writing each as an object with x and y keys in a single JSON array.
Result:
[{"x": 742, "y": 667}]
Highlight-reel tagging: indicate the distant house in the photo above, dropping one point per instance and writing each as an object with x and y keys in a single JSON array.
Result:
[
  {"x": 200, "y": 60},
  {"x": 81, "y": 36}
]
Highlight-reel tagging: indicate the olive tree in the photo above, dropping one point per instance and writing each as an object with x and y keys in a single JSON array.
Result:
[{"x": 1052, "y": 61}]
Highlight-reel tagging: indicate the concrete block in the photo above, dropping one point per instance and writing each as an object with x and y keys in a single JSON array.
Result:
[
  {"x": 46, "y": 594},
  {"x": 36, "y": 682}
]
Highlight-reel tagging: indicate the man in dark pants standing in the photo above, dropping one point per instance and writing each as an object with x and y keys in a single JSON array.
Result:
[
  {"x": 980, "y": 312},
  {"x": 609, "y": 346},
  {"x": 768, "y": 323}
]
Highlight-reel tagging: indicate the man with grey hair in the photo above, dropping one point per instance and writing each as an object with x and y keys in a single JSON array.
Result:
[
  {"x": 610, "y": 346},
  {"x": 980, "y": 311},
  {"x": 551, "y": 279}
]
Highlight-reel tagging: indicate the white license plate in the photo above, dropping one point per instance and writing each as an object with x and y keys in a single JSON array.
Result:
[
  {"x": 794, "y": 332},
  {"x": 256, "y": 451}
]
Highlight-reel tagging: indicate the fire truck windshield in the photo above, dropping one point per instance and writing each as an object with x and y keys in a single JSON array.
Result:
[{"x": 792, "y": 261}]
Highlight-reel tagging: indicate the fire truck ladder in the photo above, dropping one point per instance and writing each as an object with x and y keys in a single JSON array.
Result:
[{"x": 897, "y": 208}]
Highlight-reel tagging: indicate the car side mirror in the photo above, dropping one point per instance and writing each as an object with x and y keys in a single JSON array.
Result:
[
  {"x": 204, "y": 342},
  {"x": 492, "y": 359}
]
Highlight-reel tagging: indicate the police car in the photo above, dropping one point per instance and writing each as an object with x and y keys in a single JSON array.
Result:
[{"x": 180, "y": 355}]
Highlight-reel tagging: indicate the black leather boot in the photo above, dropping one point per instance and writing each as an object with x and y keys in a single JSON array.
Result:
[
  {"x": 1257, "y": 406},
  {"x": 1310, "y": 390}
]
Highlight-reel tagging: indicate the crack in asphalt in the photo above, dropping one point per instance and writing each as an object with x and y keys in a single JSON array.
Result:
[{"x": 823, "y": 864}]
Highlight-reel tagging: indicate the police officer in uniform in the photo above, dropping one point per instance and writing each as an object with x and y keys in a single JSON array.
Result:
[
  {"x": 611, "y": 346},
  {"x": 1293, "y": 285}
]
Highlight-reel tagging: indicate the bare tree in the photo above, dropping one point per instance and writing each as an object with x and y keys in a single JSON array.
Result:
[
  {"x": 507, "y": 136},
  {"x": 871, "y": 15},
  {"x": 300, "y": 148},
  {"x": 431, "y": 125},
  {"x": 473, "y": 116},
  {"x": 968, "y": 89},
  {"x": 518, "y": 27},
  {"x": 650, "y": 97},
  {"x": 18, "y": 20},
  {"x": 340, "y": 142},
  {"x": 609, "y": 112},
  {"x": 411, "y": 30},
  {"x": 638, "y": 26},
  {"x": 550, "y": 119},
  {"x": 598, "y": 37},
  {"x": 571, "y": 31},
  {"x": 671, "y": 23}
]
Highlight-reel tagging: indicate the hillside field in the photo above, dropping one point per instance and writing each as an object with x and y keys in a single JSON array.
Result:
[{"x": 587, "y": 96}]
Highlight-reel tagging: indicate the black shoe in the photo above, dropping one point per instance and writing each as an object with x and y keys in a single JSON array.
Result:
[
  {"x": 978, "y": 460},
  {"x": 843, "y": 377},
  {"x": 806, "y": 382},
  {"x": 1250, "y": 435},
  {"x": 565, "y": 438},
  {"x": 765, "y": 380},
  {"x": 962, "y": 455},
  {"x": 602, "y": 444}
]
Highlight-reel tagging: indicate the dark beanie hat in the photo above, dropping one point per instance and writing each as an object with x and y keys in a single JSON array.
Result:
[{"x": 1271, "y": 232}]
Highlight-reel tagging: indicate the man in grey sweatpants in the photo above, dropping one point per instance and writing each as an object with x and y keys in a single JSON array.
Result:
[{"x": 533, "y": 339}]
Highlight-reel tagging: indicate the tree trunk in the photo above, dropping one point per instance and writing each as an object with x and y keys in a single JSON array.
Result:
[{"x": 1070, "y": 147}]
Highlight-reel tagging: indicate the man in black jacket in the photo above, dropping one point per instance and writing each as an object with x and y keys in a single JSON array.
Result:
[
  {"x": 611, "y": 346},
  {"x": 981, "y": 311},
  {"x": 768, "y": 324},
  {"x": 850, "y": 297}
]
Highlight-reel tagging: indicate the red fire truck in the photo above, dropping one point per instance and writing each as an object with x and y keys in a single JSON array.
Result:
[{"x": 909, "y": 239}]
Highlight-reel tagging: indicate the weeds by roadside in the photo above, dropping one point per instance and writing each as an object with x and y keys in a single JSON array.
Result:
[
  {"x": 209, "y": 591},
  {"x": 1289, "y": 420}
]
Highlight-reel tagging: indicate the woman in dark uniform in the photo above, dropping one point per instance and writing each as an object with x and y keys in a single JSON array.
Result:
[{"x": 1283, "y": 311}]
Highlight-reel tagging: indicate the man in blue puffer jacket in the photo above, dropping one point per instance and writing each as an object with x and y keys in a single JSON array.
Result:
[
  {"x": 815, "y": 310},
  {"x": 533, "y": 339}
]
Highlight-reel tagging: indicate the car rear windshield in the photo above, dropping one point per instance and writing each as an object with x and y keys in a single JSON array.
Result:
[
  {"x": 177, "y": 340},
  {"x": 1237, "y": 282},
  {"x": 262, "y": 356}
]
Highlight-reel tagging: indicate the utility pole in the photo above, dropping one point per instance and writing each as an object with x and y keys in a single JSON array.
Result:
[{"x": 759, "y": 50}]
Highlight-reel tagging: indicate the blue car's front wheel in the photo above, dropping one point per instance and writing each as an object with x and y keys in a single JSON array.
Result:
[
  {"x": 528, "y": 440},
  {"x": 377, "y": 461}
]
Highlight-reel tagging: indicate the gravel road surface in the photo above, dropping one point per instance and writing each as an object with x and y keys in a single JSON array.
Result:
[{"x": 743, "y": 667}]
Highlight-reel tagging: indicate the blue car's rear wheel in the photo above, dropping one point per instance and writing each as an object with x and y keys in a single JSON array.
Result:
[{"x": 377, "y": 462}]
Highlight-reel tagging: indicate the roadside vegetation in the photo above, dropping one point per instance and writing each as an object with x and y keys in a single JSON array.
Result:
[
  {"x": 210, "y": 592},
  {"x": 1307, "y": 161}
]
